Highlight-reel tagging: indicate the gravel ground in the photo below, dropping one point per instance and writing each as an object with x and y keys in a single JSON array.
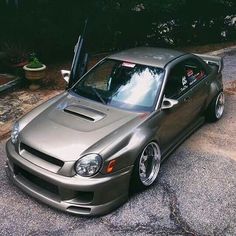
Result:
[{"x": 194, "y": 194}]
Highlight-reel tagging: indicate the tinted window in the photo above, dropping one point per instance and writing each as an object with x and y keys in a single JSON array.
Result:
[
  {"x": 194, "y": 71},
  {"x": 177, "y": 83},
  {"x": 183, "y": 76},
  {"x": 122, "y": 84}
]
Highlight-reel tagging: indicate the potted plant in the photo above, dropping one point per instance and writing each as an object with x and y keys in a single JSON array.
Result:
[{"x": 34, "y": 71}]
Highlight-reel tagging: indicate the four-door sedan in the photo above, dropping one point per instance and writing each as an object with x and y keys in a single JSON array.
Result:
[{"x": 85, "y": 150}]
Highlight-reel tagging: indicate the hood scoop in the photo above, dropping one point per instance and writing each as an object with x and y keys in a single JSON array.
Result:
[{"x": 84, "y": 113}]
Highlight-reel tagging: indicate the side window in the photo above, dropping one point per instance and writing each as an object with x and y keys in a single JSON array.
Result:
[
  {"x": 177, "y": 83},
  {"x": 194, "y": 71}
]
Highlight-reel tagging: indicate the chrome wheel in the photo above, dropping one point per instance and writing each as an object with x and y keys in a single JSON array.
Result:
[
  {"x": 219, "y": 105},
  {"x": 149, "y": 164}
]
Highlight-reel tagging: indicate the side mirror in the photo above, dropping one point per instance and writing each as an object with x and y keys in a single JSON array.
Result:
[
  {"x": 66, "y": 75},
  {"x": 168, "y": 103}
]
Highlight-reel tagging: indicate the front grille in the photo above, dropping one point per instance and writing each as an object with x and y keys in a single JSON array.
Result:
[
  {"x": 41, "y": 155},
  {"x": 36, "y": 180},
  {"x": 59, "y": 193}
]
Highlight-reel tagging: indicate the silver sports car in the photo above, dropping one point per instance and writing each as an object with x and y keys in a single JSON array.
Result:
[{"x": 86, "y": 149}]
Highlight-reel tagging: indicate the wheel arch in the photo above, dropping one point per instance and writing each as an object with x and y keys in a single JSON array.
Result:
[
  {"x": 136, "y": 183},
  {"x": 215, "y": 87}
]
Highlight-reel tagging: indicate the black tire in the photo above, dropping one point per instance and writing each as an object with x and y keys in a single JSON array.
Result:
[
  {"x": 146, "y": 168},
  {"x": 216, "y": 108}
]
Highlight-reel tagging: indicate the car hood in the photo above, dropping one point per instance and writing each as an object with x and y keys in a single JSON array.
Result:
[{"x": 74, "y": 126}]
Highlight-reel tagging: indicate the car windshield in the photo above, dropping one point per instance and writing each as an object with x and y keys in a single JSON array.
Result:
[{"x": 122, "y": 84}]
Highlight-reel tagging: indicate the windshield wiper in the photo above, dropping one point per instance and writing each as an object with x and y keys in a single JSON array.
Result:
[{"x": 98, "y": 95}]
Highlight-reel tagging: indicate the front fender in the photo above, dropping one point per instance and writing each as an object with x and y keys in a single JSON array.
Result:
[{"x": 126, "y": 149}]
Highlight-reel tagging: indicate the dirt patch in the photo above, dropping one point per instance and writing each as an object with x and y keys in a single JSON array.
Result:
[
  {"x": 53, "y": 79},
  {"x": 230, "y": 88},
  {"x": 16, "y": 104},
  {"x": 211, "y": 147},
  {"x": 219, "y": 137}
]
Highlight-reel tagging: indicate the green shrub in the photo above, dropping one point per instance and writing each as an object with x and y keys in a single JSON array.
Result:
[{"x": 34, "y": 63}]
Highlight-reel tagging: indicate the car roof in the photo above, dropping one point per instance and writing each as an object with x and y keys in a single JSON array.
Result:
[{"x": 158, "y": 57}]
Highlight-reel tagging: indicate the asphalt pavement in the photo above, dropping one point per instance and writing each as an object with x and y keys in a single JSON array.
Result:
[{"x": 195, "y": 193}]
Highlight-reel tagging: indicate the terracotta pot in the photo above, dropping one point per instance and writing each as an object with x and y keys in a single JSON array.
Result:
[{"x": 34, "y": 73}]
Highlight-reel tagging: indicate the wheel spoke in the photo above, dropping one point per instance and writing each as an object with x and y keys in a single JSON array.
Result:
[
  {"x": 221, "y": 100},
  {"x": 142, "y": 175},
  {"x": 219, "y": 106},
  {"x": 149, "y": 164},
  {"x": 145, "y": 157},
  {"x": 142, "y": 168}
]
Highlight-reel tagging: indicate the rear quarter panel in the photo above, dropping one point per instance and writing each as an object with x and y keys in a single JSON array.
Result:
[{"x": 215, "y": 83}]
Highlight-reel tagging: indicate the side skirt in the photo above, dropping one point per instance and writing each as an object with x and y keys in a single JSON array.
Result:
[{"x": 179, "y": 140}]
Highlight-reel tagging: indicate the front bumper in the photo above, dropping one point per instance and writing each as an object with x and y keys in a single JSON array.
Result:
[{"x": 79, "y": 195}]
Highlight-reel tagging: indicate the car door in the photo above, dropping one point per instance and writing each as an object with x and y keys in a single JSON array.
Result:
[
  {"x": 176, "y": 121},
  {"x": 79, "y": 63},
  {"x": 197, "y": 77}
]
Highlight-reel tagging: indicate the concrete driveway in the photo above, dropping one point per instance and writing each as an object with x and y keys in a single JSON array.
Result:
[{"x": 195, "y": 193}]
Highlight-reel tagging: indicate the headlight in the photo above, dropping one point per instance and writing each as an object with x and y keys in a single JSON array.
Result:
[
  {"x": 15, "y": 132},
  {"x": 88, "y": 165}
]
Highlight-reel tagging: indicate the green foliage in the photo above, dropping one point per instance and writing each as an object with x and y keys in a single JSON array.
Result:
[
  {"x": 34, "y": 63},
  {"x": 52, "y": 27}
]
